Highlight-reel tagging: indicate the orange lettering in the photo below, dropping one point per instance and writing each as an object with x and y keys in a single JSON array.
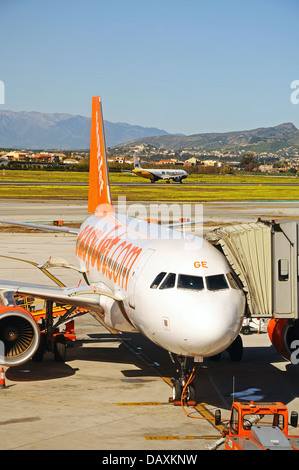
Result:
[
  {"x": 94, "y": 246},
  {"x": 200, "y": 264},
  {"x": 116, "y": 271}
]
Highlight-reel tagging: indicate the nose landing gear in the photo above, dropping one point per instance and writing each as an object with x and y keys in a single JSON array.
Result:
[{"x": 183, "y": 389}]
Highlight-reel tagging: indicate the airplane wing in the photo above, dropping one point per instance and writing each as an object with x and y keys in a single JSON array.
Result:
[
  {"x": 128, "y": 171},
  {"x": 74, "y": 301},
  {"x": 81, "y": 297},
  {"x": 46, "y": 228},
  {"x": 26, "y": 333}
]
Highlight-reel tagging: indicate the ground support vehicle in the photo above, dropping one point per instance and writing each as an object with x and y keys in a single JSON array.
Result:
[{"x": 258, "y": 426}]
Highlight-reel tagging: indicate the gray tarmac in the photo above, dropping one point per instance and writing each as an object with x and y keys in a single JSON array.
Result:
[
  {"x": 112, "y": 393},
  {"x": 31, "y": 210}
]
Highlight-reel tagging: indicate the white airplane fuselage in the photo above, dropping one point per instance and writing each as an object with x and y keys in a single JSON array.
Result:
[
  {"x": 155, "y": 175},
  {"x": 194, "y": 309},
  {"x": 179, "y": 291}
]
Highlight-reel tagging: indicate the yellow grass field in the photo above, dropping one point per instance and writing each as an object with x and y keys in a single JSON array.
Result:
[{"x": 236, "y": 187}]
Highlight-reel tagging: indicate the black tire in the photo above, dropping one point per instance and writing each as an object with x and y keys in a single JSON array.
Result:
[
  {"x": 59, "y": 348},
  {"x": 191, "y": 392},
  {"x": 177, "y": 391},
  {"x": 236, "y": 349},
  {"x": 39, "y": 354},
  {"x": 246, "y": 330}
]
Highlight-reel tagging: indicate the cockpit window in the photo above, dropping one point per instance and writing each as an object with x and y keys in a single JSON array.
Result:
[
  {"x": 216, "y": 282},
  {"x": 190, "y": 282},
  {"x": 169, "y": 281},
  {"x": 157, "y": 280}
]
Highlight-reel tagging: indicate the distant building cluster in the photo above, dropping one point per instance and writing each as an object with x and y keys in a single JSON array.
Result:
[
  {"x": 39, "y": 157},
  {"x": 193, "y": 161},
  {"x": 266, "y": 162}
]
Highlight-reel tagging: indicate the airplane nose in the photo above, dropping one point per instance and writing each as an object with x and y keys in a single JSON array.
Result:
[{"x": 215, "y": 326}]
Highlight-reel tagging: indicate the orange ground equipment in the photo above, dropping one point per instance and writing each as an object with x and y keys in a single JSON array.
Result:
[
  {"x": 50, "y": 317},
  {"x": 258, "y": 426}
]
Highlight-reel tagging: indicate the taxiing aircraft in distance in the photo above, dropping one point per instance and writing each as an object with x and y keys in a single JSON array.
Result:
[
  {"x": 157, "y": 174},
  {"x": 179, "y": 292}
]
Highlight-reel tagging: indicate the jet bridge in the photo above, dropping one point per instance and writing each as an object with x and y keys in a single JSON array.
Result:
[{"x": 264, "y": 255}]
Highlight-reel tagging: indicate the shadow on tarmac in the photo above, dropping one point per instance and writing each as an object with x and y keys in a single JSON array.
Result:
[{"x": 261, "y": 375}]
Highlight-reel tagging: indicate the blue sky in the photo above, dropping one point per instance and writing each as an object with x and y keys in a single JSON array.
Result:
[{"x": 186, "y": 66}]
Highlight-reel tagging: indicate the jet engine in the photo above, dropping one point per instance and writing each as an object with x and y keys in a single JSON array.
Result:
[
  {"x": 19, "y": 336},
  {"x": 282, "y": 333}
]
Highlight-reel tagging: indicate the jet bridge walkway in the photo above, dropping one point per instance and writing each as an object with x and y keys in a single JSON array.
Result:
[{"x": 264, "y": 255}]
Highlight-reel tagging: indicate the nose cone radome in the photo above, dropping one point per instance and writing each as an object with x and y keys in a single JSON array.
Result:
[{"x": 214, "y": 326}]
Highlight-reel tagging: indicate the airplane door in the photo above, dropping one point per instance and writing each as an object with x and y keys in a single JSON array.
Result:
[{"x": 137, "y": 268}]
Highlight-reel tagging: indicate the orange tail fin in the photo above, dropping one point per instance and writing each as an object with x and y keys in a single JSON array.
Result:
[{"x": 99, "y": 187}]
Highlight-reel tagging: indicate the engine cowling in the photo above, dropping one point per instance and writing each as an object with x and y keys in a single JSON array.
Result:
[
  {"x": 282, "y": 333},
  {"x": 115, "y": 316},
  {"x": 19, "y": 336}
]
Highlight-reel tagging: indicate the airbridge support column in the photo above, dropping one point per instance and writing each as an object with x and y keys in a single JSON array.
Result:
[{"x": 264, "y": 256}]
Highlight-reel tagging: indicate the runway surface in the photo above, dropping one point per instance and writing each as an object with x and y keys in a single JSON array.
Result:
[{"x": 112, "y": 393}]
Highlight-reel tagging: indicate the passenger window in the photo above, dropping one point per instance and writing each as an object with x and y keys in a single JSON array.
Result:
[
  {"x": 157, "y": 280},
  {"x": 190, "y": 282},
  {"x": 169, "y": 282},
  {"x": 217, "y": 282},
  {"x": 283, "y": 270}
]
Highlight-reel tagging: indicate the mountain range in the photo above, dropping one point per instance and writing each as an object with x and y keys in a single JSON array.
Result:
[
  {"x": 36, "y": 130},
  {"x": 268, "y": 139},
  {"x": 62, "y": 131}
]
